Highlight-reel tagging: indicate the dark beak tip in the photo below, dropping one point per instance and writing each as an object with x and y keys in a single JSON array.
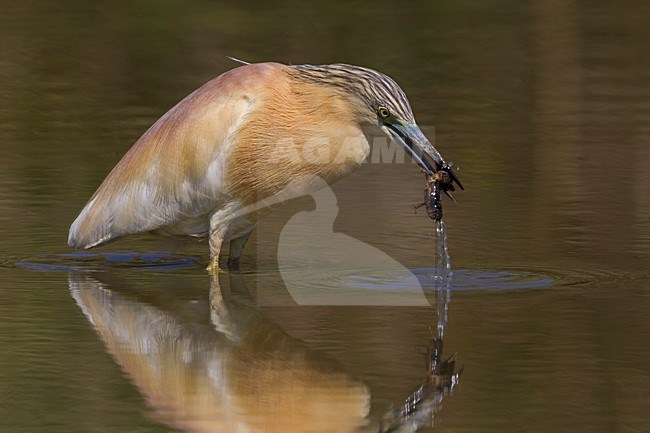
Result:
[{"x": 455, "y": 178}]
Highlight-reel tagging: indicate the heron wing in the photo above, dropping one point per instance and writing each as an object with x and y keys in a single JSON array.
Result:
[{"x": 175, "y": 171}]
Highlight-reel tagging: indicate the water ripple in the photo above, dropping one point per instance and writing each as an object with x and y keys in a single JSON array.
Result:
[
  {"x": 499, "y": 280},
  {"x": 86, "y": 261}
]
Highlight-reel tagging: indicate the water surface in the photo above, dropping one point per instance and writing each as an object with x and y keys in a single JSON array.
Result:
[{"x": 545, "y": 107}]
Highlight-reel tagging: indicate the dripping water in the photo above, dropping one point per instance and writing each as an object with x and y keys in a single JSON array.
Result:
[{"x": 442, "y": 278}]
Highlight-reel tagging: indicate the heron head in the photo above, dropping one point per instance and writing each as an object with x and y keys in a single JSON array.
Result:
[{"x": 378, "y": 100}]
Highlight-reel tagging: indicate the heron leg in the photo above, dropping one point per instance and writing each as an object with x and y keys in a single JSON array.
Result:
[
  {"x": 236, "y": 250},
  {"x": 216, "y": 239}
]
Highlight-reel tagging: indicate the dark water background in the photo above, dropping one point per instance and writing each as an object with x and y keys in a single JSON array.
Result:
[{"x": 545, "y": 106}]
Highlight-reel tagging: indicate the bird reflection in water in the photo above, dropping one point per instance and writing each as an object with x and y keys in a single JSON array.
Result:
[
  {"x": 223, "y": 367},
  {"x": 232, "y": 372}
]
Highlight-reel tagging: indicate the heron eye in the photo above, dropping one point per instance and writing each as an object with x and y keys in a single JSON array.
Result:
[{"x": 383, "y": 112}]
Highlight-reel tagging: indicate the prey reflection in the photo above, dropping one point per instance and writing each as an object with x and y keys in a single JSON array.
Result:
[
  {"x": 232, "y": 371},
  {"x": 419, "y": 409}
]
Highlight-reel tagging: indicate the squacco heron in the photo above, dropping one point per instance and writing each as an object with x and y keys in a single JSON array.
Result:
[{"x": 248, "y": 135}]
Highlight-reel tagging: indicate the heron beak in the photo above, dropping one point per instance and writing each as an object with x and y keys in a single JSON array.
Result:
[{"x": 418, "y": 147}]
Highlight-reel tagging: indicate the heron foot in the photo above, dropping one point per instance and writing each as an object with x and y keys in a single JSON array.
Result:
[{"x": 213, "y": 266}]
